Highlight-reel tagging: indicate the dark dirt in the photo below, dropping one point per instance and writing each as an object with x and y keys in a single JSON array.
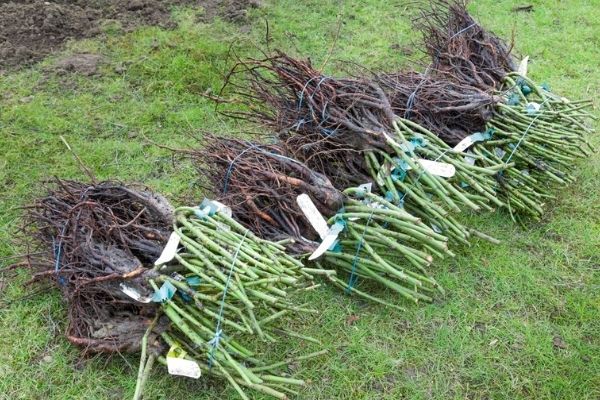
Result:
[
  {"x": 229, "y": 10},
  {"x": 85, "y": 64},
  {"x": 32, "y": 29}
]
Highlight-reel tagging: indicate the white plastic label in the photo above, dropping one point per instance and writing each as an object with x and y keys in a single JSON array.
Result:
[
  {"x": 367, "y": 187},
  {"x": 471, "y": 140},
  {"x": 437, "y": 168},
  {"x": 134, "y": 294},
  {"x": 183, "y": 367},
  {"x": 523, "y": 66},
  {"x": 469, "y": 160},
  {"x": 221, "y": 227},
  {"x": 499, "y": 152},
  {"x": 464, "y": 144},
  {"x": 222, "y": 208},
  {"x": 433, "y": 167},
  {"x": 328, "y": 241},
  {"x": 169, "y": 251},
  {"x": 532, "y": 107},
  {"x": 313, "y": 215}
]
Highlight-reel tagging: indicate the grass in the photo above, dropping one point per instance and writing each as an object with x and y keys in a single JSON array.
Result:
[{"x": 491, "y": 337}]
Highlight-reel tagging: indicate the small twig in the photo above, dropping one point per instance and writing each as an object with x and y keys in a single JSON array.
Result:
[
  {"x": 81, "y": 164},
  {"x": 335, "y": 39}
]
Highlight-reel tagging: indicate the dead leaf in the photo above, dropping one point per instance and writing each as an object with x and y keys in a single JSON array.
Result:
[
  {"x": 559, "y": 343},
  {"x": 352, "y": 319}
]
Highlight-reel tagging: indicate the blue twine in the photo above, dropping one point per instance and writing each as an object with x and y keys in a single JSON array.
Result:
[
  {"x": 58, "y": 254},
  {"x": 411, "y": 98},
  {"x": 323, "y": 79},
  {"x": 327, "y": 132},
  {"x": 214, "y": 342},
  {"x": 58, "y": 249},
  {"x": 353, "y": 277},
  {"x": 462, "y": 30},
  {"x": 525, "y": 134},
  {"x": 301, "y": 98},
  {"x": 324, "y": 115},
  {"x": 230, "y": 168},
  {"x": 298, "y": 124}
]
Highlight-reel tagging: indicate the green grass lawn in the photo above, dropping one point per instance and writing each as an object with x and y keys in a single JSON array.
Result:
[{"x": 520, "y": 319}]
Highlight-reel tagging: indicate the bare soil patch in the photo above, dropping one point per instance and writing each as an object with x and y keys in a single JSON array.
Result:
[{"x": 32, "y": 29}]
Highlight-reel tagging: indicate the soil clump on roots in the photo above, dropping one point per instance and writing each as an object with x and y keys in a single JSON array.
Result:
[{"x": 93, "y": 240}]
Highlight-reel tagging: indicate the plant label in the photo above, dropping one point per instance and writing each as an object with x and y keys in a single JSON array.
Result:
[
  {"x": 367, "y": 187},
  {"x": 134, "y": 294},
  {"x": 522, "y": 70},
  {"x": 463, "y": 144},
  {"x": 169, "y": 251},
  {"x": 183, "y": 367},
  {"x": 222, "y": 208},
  {"x": 471, "y": 140},
  {"x": 313, "y": 215},
  {"x": 328, "y": 241},
  {"x": 438, "y": 168}
]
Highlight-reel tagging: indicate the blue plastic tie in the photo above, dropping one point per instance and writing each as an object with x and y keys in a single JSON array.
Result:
[
  {"x": 186, "y": 297},
  {"x": 513, "y": 99},
  {"x": 530, "y": 108},
  {"x": 399, "y": 203},
  {"x": 482, "y": 136},
  {"x": 389, "y": 196},
  {"x": 524, "y": 87},
  {"x": 165, "y": 293},
  {"x": 360, "y": 193},
  {"x": 411, "y": 99},
  {"x": 214, "y": 342},
  {"x": 336, "y": 248},
  {"x": 399, "y": 172},
  {"x": 193, "y": 281}
]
